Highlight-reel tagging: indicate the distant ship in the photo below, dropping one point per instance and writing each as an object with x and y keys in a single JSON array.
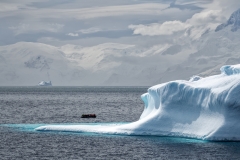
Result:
[{"x": 43, "y": 83}]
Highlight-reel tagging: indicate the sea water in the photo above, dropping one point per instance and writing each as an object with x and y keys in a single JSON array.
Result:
[{"x": 24, "y": 108}]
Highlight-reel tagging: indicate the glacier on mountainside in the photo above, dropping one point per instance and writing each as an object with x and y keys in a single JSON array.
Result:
[{"x": 206, "y": 108}]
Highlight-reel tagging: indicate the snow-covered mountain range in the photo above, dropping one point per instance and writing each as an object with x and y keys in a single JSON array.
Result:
[
  {"x": 28, "y": 63},
  {"x": 213, "y": 50}
]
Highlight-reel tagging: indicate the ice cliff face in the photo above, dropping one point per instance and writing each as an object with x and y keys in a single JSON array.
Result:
[
  {"x": 204, "y": 108},
  {"x": 208, "y": 108},
  {"x": 233, "y": 21}
]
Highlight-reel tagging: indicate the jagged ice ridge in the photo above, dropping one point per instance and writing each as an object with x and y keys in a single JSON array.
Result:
[{"x": 204, "y": 108}]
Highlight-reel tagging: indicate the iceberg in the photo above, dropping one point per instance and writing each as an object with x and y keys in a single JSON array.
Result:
[
  {"x": 43, "y": 83},
  {"x": 204, "y": 108}
]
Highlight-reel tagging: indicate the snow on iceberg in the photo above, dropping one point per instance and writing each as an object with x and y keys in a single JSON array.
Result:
[
  {"x": 195, "y": 78},
  {"x": 43, "y": 83},
  {"x": 207, "y": 109}
]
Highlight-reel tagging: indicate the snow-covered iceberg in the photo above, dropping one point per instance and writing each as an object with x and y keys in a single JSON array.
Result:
[
  {"x": 43, "y": 83},
  {"x": 207, "y": 109}
]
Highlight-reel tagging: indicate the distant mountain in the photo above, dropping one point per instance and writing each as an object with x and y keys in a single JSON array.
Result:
[
  {"x": 214, "y": 50},
  {"x": 26, "y": 63},
  {"x": 233, "y": 21}
]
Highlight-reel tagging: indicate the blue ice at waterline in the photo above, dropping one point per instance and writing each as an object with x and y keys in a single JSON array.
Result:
[
  {"x": 31, "y": 127},
  {"x": 202, "y": 108}
]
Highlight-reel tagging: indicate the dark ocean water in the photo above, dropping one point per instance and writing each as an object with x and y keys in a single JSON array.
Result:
[{"x": 23, "y": 108}]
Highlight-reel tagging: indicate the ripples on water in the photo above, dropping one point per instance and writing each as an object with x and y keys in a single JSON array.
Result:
[{"x": 37, "y": 105}]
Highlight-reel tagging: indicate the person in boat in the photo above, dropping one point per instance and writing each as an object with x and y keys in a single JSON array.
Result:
[{"x": 88, "y": 116}]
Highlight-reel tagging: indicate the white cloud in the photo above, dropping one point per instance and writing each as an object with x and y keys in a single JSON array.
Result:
[
  {"x": 15, "y": 5},
  {"x": 194, "y": 27},
  {"x": 36, "y": 27},
  {"x": 64, "y": 18},
  {"x": 167, "y": 28},
  {"x": 110, "y": 11},
  {"x": 73, "y": 34},
  {"x": 206, "y": 16},
  {"x": 214, "y": 12},
  {"x": 202, "y": 22},
  {"x": 87, "y": 13},
  {"x": 90, "y": 30},
  {"x": 9, "y": 7}
]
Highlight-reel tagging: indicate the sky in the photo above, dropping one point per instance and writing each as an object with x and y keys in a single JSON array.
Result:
[{"x": 92, "y": 22}]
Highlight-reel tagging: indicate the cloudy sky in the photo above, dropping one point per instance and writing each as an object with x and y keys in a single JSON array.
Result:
[{"x": 92, "y": 22}]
